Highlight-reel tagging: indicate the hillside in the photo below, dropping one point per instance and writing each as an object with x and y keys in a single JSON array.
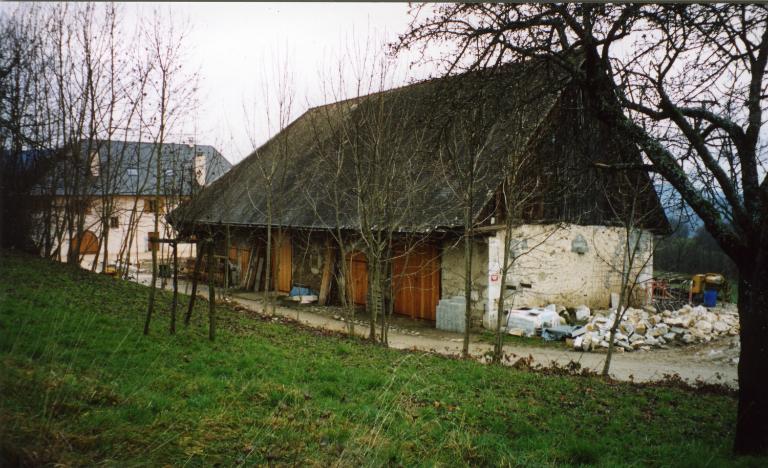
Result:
[{"x": 81, "y": 385}]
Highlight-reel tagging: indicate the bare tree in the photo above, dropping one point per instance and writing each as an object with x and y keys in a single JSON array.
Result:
[
  {"x": 685, "y": 84},
  {"x": 464, "y": 160},
  {"x": 173, "y": 89},
  {"x": 635, "y": 254},
  {"x": 273, "y": 164}
]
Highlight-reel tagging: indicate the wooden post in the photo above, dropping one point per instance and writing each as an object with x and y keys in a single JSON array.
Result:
[
  {"x": 175, "y": 301},
  {"x": 328, "y": 264},
  {"x": 195, "y": 274},
  {"x": 211, "y": 295},
  {"x": 226, "y": 261}
]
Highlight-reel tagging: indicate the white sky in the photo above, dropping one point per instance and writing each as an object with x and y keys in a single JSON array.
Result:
[{"x": 237, "y": 48}]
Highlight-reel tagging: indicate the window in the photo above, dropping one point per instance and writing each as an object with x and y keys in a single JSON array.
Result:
[
  {"x": 114, "y": 222},
  {"x": 82, "y": 206},
  {"x": 133, "y": 172},
  {"x": 151, "y": 236},
  {"x": 169, "y": 173},
  {"x": 151, "y": 205}
]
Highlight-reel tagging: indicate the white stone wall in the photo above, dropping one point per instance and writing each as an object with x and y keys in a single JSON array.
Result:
[
  {"x": 547, "y": 270},
  {"x": 452, "y": 273},
  {"x": 140, "y": 251}
]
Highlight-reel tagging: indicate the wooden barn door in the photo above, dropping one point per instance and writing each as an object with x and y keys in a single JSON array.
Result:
[
  {"x": 89, "y": 243},
  {"x": 416, "y": 282},
  {"x": 358, "y": 281},
  {"x": 240, "y": 255},
  {"x": 282, "y": 265}
]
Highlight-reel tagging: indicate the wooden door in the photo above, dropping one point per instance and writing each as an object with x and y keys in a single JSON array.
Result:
[
  {"x": 89, "y": 243},
  {"x": 240, "y": 255},
  {"x": 358, "y": 281},
  {"x": 282, "y": 262},
  {"x": 416, "y": 282}
]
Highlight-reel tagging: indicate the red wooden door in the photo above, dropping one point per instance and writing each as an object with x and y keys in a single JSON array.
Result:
[
  {"x": 89, "y": 243},
  {"x": 416, "y": 282},
  {"x": 282, "y": 265},
  {"x": 358, "y": 280}
]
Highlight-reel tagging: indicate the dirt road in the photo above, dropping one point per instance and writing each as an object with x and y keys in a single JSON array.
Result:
[{"x": 711, "y": 363}]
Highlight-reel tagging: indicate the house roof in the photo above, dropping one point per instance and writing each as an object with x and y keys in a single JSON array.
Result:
[
  {"x": 321, "y": 165},
  {"x": 130, "y": 168},
  {"x": 411, "y": 122}
]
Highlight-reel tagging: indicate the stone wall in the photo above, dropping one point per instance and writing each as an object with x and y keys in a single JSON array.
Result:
[
  {"x": 566, "y": 265},
  {"x": 452, "y": 274}
]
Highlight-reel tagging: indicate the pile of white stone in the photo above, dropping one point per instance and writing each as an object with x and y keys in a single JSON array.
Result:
[{"x": 644, "y": 329}]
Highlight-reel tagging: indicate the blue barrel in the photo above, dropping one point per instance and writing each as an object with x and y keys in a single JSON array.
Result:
[{"x": 710, "y": 298}]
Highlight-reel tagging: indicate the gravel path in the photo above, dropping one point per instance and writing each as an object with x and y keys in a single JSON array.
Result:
[{"x": 710, "y": 363}]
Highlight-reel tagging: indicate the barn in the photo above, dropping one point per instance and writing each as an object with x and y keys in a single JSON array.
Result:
[{"x": 365, "y": 192}]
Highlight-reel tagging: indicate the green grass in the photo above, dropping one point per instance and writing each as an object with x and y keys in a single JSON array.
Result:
[{"x": 81, "y": 385}]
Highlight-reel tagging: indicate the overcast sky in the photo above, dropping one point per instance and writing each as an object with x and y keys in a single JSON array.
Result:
[{"x": 237, "y": 48}]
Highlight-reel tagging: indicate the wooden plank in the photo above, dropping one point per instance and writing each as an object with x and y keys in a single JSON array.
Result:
[
  {"x": 254, "y": 274},
  {"x": 248, "y": 272},
  {"x": 257, "y": 282},
  {"x": 325, "y": 281}
]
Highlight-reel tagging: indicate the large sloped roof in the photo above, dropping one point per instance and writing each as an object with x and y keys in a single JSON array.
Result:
[
  {"x": 130, "y": 168},
  {"x": 331, "y": 154}
]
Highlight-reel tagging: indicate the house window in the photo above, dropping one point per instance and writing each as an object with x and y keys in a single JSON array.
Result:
[
  {"x": 151, "y": 206},
  {"x": 150, "y": 244},
  {"x": 133, "y": 172},
  {"x": 169, "y": 173},
  {"x": 82, "y": 206},
  {"x": 114, "y": 222}
]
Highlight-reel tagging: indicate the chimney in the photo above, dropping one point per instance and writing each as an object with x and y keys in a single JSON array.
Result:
[{"x": 200, "y": 169}]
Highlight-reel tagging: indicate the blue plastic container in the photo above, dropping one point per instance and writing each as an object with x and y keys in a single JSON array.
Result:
[{"x": 710, "y": 298}]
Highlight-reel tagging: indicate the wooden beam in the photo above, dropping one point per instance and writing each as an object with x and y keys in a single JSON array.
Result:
[
  {"x": 211, "y": 296},
  {"x": 328, "y": 265}
]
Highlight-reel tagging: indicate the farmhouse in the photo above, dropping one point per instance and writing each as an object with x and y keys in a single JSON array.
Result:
[
  {"x": 104, "y": 206},
  {"x": 380, "y": 172}
]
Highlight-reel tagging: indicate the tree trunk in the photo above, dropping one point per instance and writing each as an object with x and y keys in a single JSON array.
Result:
[
  {"x": 105, "y": 259},
  {"x": 211, "y": 295},
  {"x": 467, "y": 281},
  {"x": 611, "y": 346},
  {"x": 374, "y": 304},
  {"x": 268, "y": 264},
  {"x": 506, "y": 265},
  {"x": 752, "y": 416},
  {"x": 153, "y": 284},
  {"x": 195, "y": 274},
  {"x": 175, "y": 301}
]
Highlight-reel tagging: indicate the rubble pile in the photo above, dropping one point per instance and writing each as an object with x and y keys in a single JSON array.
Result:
[{"x": 645, "y": 329}]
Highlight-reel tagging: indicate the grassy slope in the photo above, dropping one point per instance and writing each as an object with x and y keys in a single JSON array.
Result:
[{"x": 80, "y": 385}]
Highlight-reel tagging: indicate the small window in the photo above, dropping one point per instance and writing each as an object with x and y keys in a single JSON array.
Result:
[
  {"x": 150, "y": 206},
  {"x": 114, "y": 222},
  {"x": 169, "y": 173},
  {"x": 133, "y": 172},
  {"x": 151, "y": 245}
]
